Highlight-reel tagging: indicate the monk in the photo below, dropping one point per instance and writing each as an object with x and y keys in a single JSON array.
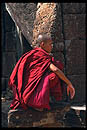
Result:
[{"x": 37, "y": 77}]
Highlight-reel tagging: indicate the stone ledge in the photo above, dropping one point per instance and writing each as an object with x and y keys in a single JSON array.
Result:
[{"x": 34, "y": 118}]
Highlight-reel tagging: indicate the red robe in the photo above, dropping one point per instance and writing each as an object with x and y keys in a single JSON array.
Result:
[{"x": 30, "y": 81}]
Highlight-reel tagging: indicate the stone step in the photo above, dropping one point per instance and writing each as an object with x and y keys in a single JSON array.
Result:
[{"x": 33, "y": 118}]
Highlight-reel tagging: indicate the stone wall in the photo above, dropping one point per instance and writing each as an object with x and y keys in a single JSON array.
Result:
[
  {"x": 65, "y": 22},
  {"x": 73, "y": 15}
]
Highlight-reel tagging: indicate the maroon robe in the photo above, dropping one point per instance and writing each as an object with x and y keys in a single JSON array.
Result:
[{"x": 30, "y": 80}]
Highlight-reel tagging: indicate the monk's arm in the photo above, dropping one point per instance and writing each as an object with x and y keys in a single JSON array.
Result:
[{"x": 59, "y": 73}]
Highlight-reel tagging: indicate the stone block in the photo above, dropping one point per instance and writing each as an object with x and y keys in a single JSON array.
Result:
[
  {"x": 44, "y": 20},
  {"x": 48, "y": 21},
  {"x": 74, "y": 8},
  {"x": 34, "y": 118},
  {"x": 75, "y": 57},
  {"x": 56, "y": 29},
  {"x": 23, "y": 15},
  {"x": 58, "y": 46},
  {"x": 74, "y": 26},
  {"x": 59, "y": 56},
  {"x": 79, "y": 82},
  {"x": 8, "y": 63}
]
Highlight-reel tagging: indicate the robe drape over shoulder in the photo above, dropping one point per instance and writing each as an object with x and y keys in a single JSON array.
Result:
[{"x": 29, "y": 79}]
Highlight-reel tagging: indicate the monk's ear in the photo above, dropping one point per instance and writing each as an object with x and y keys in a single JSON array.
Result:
[{"x": 42, "y": 44}]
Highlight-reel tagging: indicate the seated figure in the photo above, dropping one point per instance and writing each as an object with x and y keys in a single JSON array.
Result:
[{"x": 37, "y": 76}]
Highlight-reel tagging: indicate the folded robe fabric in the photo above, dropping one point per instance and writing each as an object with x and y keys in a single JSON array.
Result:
[{"x": 29, "y": 79}]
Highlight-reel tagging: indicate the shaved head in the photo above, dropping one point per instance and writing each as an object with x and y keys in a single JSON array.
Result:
[{"x": 43, "y": 38}]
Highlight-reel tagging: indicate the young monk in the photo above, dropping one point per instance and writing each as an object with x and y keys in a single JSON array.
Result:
[{"x": 37, "y": 76}]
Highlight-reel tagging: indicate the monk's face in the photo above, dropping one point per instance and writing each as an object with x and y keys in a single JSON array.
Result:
[{"x": 47, "y": 46}]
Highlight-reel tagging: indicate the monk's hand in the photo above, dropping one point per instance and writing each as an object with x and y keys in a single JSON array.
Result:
[{"x": 71, "y": 90}]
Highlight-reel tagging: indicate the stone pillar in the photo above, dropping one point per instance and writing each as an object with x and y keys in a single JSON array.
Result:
[{"x": 45, "y": 16}]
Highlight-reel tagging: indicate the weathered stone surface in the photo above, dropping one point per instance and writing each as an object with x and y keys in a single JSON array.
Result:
[
  {"x": 58, "y": 46},
  {"x": 23, "y": 15},
  {"x": 48, "y": 18},
  {"x": 79, "y": 82},
  {"x": 74, "y": 26},
  {"x": 44, "y": 20},
  {"x": 56, "y": 30},
  {"x": 75, "y": 57},
  {"x": 70, "y": 8},
  {"x": 34, "y": 118},
  {"x": 59, "y": 56}
]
